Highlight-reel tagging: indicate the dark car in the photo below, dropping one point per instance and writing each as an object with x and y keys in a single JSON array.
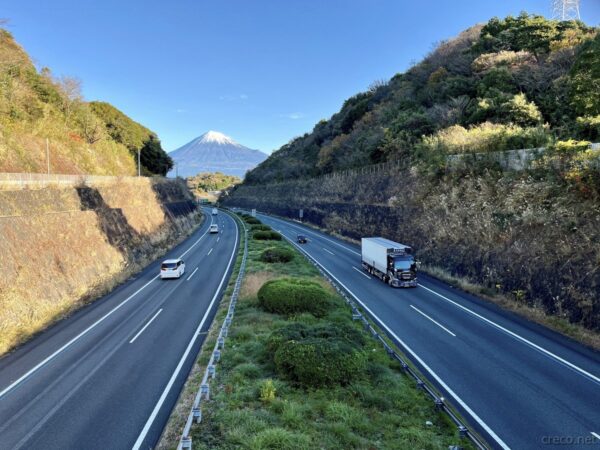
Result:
[{"x": 301, "y": 239}]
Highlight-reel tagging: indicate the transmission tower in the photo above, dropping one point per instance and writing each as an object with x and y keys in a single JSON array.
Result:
[{"x": 566, "y": 9}]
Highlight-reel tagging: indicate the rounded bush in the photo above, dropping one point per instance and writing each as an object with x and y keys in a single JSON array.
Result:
[
  {"x": 252, "y": 220},
  {"x": 277, "y": 255},
  {"x": 289, "y": 296},
  {"x": 267, "y": 236},
  {"x": 315, "y": 362},
  {"x": 261, "y": 227},
  {"x": 297, "y": 331}
]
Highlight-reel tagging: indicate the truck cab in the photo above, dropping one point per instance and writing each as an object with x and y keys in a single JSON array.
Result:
[{"x": 389, "y": 261}]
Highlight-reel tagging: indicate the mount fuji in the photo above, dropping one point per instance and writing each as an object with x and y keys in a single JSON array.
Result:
[{"x": 214, "y": 152}]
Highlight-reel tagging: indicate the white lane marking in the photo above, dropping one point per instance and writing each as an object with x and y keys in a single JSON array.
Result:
[
  {"x": 145, "y": 326},
  {"x": 84, "y": 332},
  {"x": 328, "y": 251},
  {"x": 434, "y": 321},
  {"x": 209, "y": 252},
  {"x": 596, "y": 435},
  {"x": 218, "y": 238},
  {"x": 195, "y": 270},
  {"x": 494, "y": 324},
  {"x": 161, "y": 400},
  {"x": 519, "y": 338},
  {"x": 479, "y": 420},
  {"x": 361, "y": 272}
]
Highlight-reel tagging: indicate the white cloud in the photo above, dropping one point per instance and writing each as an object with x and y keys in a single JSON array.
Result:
[{"x": 180, "y": 110}]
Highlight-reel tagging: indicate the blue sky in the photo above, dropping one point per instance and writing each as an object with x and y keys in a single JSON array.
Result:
[{"x": 261, "y": 71}]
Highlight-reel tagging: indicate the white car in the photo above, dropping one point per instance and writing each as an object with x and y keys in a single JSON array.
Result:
[
  {"x": 172, "y": 268},
  {"x": 215, "y": 211},
  {"x": 214, "y": 228}
]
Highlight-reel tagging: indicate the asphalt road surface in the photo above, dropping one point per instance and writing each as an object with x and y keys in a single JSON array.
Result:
[
  {"x": 108, "y": 376},
  {"x": 519, "y": 384}
]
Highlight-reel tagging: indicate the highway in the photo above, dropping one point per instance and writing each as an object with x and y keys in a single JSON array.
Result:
[
  {"x": 518, "y": 384},
  {"x": 109, "y": 375}
]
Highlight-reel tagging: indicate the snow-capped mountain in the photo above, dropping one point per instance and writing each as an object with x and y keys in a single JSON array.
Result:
[{"x": 215, "y": 152}]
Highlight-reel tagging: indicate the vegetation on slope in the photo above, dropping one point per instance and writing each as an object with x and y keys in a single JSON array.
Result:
[
  {"x": 209, "y": 181},
  {"x": 135, "y": 137},
  {"x": 521, "y": 82},
  {"x": 35, "y": 106}
]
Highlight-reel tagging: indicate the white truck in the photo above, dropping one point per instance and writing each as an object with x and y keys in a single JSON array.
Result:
[{"x": 390, "y": 261}]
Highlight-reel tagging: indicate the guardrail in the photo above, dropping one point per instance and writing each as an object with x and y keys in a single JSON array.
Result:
[
  {"x": 203, "y": 393},
  {"x": 440, "y": 401},
  {"x": 22, "y": 180}
]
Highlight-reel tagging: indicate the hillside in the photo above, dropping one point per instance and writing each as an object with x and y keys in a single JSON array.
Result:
[
  {"x": 207, "y": 185},
  {"x": 63, "y": 247},
  {"x": 215, "y": 152},
  {"x": 528, "y": 238},
  {"x": 84, "y": 138},
  {"x": 514, "y": 83}
]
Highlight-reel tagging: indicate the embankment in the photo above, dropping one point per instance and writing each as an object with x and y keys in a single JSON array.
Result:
[
  {"x": 511, "y": 234},
  {"x": 61, "y": 247}
]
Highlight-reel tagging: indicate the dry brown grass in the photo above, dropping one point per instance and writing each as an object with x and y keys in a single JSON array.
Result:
[
  {"x": 55, "y": 257},
  {"x": 253, "y": 282}
]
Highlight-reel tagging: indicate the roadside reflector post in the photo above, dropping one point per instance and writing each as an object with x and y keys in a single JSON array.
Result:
[
  {"x": 224, "y": 332},
  {"x": 420, "y": 384},
  {"x": 197, "y": 414},
  {"x": 205, "y": 391},
  {"x": 462, "y": 431},
  {"x": 356, "y": 316},
  {"x": 186, "y": 442},
  {"x": 439, "y": 403},
  {"x": 212, "y": 371},
  {"x": 216, "y": 355},
  {"x": 221, "y": 342}
]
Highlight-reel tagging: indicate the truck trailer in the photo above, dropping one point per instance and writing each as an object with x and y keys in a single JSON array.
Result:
[{"x": 389, "y": 261}]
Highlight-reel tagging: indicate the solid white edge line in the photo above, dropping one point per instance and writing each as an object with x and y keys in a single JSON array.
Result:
[
  {"x": 596, "y": 435},
  {"x": 362, "y": 273},
  {"x": 145, "y": 326},
  {"x": 478, "y": 419},
  {"x": 328, "y": 251},
  {"x": 161, "y": 400},
  {"x": 209, "y": 252},
  {"x": 84, "y": 332},
  {"x": 519, "y": 338},
  {"x": 549, "y": 354},
  {"x": 195, "y": 270},
  {"x": 433, "y": 320}
]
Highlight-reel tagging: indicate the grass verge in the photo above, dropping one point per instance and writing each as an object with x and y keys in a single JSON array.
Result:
[{"x": 254, "y": 407}]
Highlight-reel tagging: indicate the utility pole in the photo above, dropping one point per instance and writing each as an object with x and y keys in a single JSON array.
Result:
[
  {"x": 566, "y": 9},
  {"x": 139, "y": 165},
  {"x": 48, "y": 155}
]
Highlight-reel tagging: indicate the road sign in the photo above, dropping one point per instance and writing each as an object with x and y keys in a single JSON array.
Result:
[{"x": 301, "y": 214}]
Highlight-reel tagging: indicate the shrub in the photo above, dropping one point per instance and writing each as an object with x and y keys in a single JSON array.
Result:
[
  {"x": 267, "y": 236},
  {"x": 290, "y": 296},
  {"x": 277, "y": 255},
  {"x": 267, "y": 391},
  {"x": 260, "y": 227},
  {"x": 297, "y": 331},
  {"x": 252, "y": 220},
  {"x": 487, "y": 137},
  {"x": 317, "y": 362}
]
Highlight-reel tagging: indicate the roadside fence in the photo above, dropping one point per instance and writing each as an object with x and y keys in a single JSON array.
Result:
[{"x": 42, "y": 180}]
